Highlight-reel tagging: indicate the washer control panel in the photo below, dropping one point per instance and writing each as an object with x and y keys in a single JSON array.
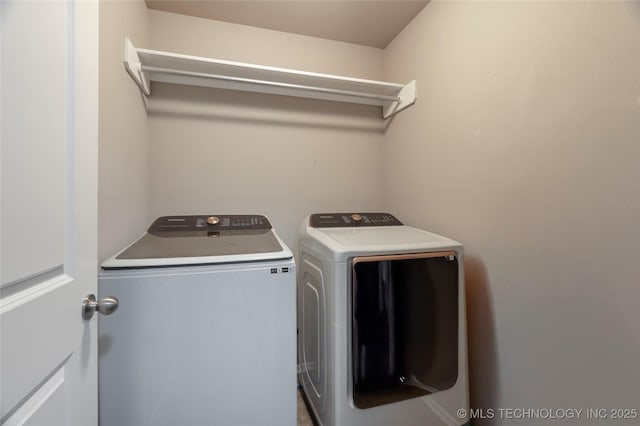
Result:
[
  {"x": 345, "y": 220},
  {"x": 168, "y": 224}
]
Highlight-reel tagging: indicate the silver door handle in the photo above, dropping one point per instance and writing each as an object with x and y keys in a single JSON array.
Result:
[{"x": 105, "y": 306}]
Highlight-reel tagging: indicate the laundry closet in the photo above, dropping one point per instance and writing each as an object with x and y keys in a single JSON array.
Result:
[
  {"x": 522, "y": 145},
  {"x": 195, "y": 149}
]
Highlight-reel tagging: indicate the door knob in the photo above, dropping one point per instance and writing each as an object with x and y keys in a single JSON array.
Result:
[{"x": 105, "y": 306}]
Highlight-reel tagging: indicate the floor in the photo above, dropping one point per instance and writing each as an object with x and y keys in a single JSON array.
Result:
[{"x": 303, "y": 415}]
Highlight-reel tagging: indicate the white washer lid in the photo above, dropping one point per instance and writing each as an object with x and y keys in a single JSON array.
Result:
[{"x": 188, "y": 240}]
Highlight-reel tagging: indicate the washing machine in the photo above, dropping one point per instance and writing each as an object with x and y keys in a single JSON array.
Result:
[
  {"x": 205, "y": 333},
  {"x": 381, "y": 320}
]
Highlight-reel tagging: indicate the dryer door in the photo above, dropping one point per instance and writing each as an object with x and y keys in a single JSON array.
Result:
[{"x": 404, "y": 322}]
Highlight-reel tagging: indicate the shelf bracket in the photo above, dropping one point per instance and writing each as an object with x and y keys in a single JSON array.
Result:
[
  {"x": 408, "y": 95},
  {"x": 133, "y": 65}
]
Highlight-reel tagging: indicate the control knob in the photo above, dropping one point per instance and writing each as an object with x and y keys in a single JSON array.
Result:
[
  {"x": 356, "y": 218},
  {"x": 213, "y": 220}
]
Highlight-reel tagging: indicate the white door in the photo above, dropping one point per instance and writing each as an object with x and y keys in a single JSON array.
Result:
[{"x": 49, "y": 128}]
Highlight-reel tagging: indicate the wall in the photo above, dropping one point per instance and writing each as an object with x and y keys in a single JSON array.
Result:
[
  {"x": 524, "y": 145},
  {"x": 215, "y": 151},
  {"x": 123, "y": 148}
]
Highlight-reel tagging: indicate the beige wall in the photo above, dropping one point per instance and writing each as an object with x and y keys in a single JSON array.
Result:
[
  {"x": 232, "y": 152},
  {"x": 123, "y": 195},
  {"x": 525, "y": 146}
]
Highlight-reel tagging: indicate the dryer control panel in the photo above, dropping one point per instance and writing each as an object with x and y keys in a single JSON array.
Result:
[{"x": 346, "y": 220}]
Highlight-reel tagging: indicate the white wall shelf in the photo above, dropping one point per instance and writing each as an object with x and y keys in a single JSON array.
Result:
[{"x": 146, "y": 65}]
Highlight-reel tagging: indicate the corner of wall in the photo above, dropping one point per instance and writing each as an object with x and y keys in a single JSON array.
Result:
[{"x": 123, "y": 183}]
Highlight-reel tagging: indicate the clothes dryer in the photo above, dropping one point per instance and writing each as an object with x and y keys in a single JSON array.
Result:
[
  {"x": 381, "y": 320},
  {"x": 205, "y": 333}
]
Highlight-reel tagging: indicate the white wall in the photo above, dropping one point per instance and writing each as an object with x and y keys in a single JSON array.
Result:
[
  {"x": 215, "y": 151},
  {"x": 123, "y": 148},
  {"x": 525, "y": 146}
]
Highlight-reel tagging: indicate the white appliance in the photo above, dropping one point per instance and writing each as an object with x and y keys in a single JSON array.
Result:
[
  {"x": 205, "y": 332},
  {"x": 381, "y": 317}
]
